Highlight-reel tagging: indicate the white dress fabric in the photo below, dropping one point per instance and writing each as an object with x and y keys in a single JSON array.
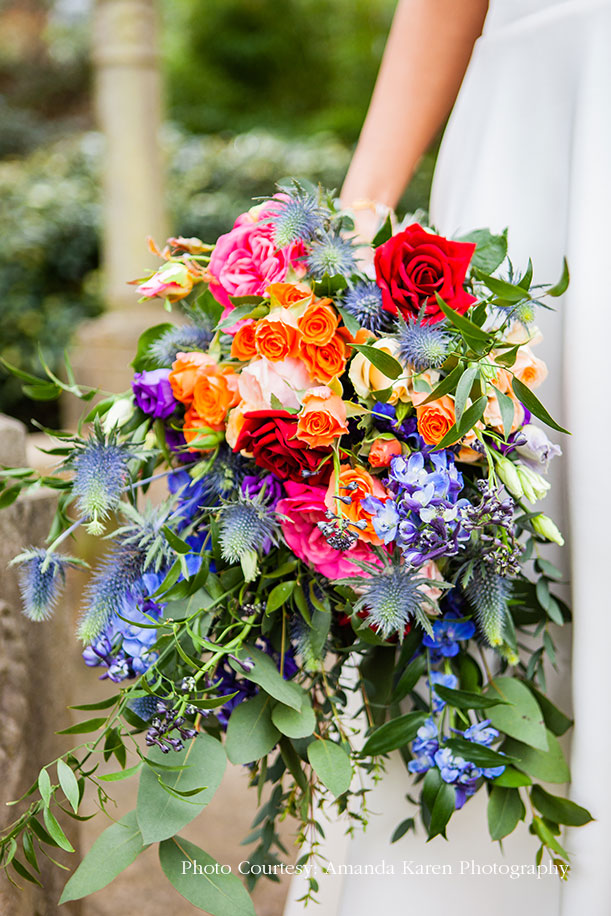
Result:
[{"x": 528, "y": 146}]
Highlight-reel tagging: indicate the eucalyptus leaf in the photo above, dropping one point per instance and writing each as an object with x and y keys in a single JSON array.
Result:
[
  {"x": 266, "y": 675},
  {"x": 549, "y": 765},
  {"x": 522, "y": 718},
  {"x": 295, "y": 723},
  {"x": 505, "y": 811},
  {"x": 332, "y": 765},
  {"x": 251, "y": 734}
]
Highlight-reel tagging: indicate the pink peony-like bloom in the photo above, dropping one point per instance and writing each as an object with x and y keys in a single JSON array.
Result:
[
  {"x": 245, "y": 260},
  {"x": 304, "y": 506}
]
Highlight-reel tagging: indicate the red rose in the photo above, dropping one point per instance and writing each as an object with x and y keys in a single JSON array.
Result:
[
  {"x": 414, "y": 265},
  {"x": 270, "y": 435}
]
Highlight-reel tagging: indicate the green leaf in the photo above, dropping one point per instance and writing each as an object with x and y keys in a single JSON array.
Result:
[
  {"x": 463, "y": 390},
  {"x": 44, "y": 787},
  {"x": 69, "y": 784},
  {"x": 510, "y": 292},
  {"x": 101, "y": 704},
  {"x": 505, "y": 810},
  {"x": 332, "y": 765},
  {"x": 142, "y": 360},
  {"x": 112, "y": 852},
  {"x": 549, "y": 766},
  {"x": 467, "y": 422},
  {"x": 478, "y": 754},
  {"x": 532, "y": 403},
  {"x": 409, "y": 678},
  {"x": 491, "y": 249},
  {"x": 348, "y": 318},
  {"x": 507, "y": 408},
  {"x": 176, "y": 542},
  {"x": 562, "y": 285},
  {"x": 522, "y": 719},
  {"x": 295, "y": 723},
  {"x": 438, "y": 803},
  {"x": 211, "y": 891},
  {"x": 408, "y": 824},
  {"x": 120, "y": 774},
  {"x": 464, "y": 699},
  {"x": 23, "y": 872},
  {"x": 558, "y": 809},
  {"x": 279, "y": 595},
  {"x": 386, "y": 363},
  {"x": 46, "y": 391},
  {"x": 447, "y": 385},
  {"x": 541, "y": 829},
  {"x": 394, "y": 734},
  {"x": 383, "y": 234},
  {"x": 464, "y": 325},
  {"x": 8, "y": 496},
  {"x": 160, "y": 814},
  {"x": 266, "y": 675},
  {"x": 81, "y": 728},
  {"x": 251, "y": 734},
  {"x": 555, "y": 720},
  {"x": 56, "y": 831},
  {"x": 512, "y": 779}
]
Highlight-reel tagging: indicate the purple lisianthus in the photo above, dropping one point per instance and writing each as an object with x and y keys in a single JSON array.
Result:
[
  {"x": 252, "y": 485},
  {"x": 153, "y": 393}
]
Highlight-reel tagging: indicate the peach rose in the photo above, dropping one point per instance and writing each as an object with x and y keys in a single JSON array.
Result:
[
  {"x": 262, "y": 379},
  {"x": 430, "y": 570},
  {"x": 213, "y": 396},
  {"x": 235, "y": 421},
  {"x": 287, "y": 294},
  {"x": 326, "y": 362},
  {"x": 277, "y": 336},
  {"x": 435, "y": 419},
  {"x": 382, "y": 450},
  {"x": 357, "y": 483},
  {"x": 196, "y": 427},
  {"x": 319, "y": 322},
  {"x": 367, "y": 379},
  {"x": 322, "y": 419},
  {"x": 243, "y": 345},
  {"x": 530, "y": 370},
  {"x": 492, "y": 413},
  {"x": 185, "y": 370}
]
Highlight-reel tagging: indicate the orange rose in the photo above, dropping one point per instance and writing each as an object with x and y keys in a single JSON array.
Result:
[
  {"x": 356, "y": 483},
  {"x": 287, "y": 294},
  {"x": 435, "y": 419},
  {"x": 319, "y": 322},
  {"x": 185, "y": 369},
  {"x": 326, "y": 362},
  {"x": 382, "y": 450},
  {"x": 322, "y": 419},
  {"x": 213, "y": 395},
  {"x": 243, "y": 345},
  {"x": 195, "y": 427},
  {"x": 277, "y": 336}
]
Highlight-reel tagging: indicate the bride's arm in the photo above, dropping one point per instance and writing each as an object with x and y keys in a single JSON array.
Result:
[{"x": 426, "y": 56}]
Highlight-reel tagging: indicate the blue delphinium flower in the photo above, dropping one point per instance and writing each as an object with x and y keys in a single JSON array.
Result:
[
  {"x": 445, "y": 680},
  {"x": 125, "y": 646},
  {"x": 392, "y": 599},
  {"x": 460, "y": 773},
  {"x": 181, "y": 339},
  {"x": 246, "y": 527},
  {"x": 42, "y": 576},
  {"x": 299, "y": 217},
  {"x": 100, "y": 472},
  {"x": 384, "y": 417},
  {"x": 189, "y": 493},
  {"x": 385, "y": 517},
  {"x": 423, "y": 346},
  {"x": 364, "y": 301},
  {"x": 332, "y": 255},
  {"x": 447, "y": 632},
  {"x": 481, "y": 733},
  {"x": 424, "y": 747}
]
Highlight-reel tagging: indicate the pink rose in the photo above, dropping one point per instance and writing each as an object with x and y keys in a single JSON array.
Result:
[
  {"x": 304, "y": 507},
  {"x": 245, "y": 261},
  {"x": 262, "y": 379}
]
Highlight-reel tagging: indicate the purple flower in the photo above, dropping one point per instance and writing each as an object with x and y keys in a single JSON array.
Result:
[
  {"x": 534, "y": 448},
  {"x": 385, "y": 517},
  {"x": 153, "y": 393},
  {"x": 446, "y": 680},
  {"x": 252, "y": 484}
]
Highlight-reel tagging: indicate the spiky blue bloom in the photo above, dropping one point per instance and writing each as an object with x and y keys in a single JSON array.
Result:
[
  {"x": 423, "y": 346},
  {"x": 488, "y": 593},
  {"x": 364, "y": 301},
  {"x": 144, "y": 707},
  {"x": 246, "y": 527},
  {"x": 299, "y": 218},
  {"x": 392, "y": 598},
  {"x": 100, "y": 466},
  {"x": 106, "y": 593},
  {"x": 224, "y": 476},
  {"x": 41, "y": 578},
  {"x": 332, "y": 255},
  {"x": 177, "y": 340}
]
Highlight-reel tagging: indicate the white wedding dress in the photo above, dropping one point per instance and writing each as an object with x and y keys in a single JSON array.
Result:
[{"x": 528, "y": 146}]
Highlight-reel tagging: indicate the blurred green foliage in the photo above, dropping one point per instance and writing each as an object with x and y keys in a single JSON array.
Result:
[{"x": 294, "y": 66}]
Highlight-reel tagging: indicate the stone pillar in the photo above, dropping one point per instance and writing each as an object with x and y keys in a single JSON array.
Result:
[
  {"x": 128, "y": 106},
  {"x": 36, "y": 662}
]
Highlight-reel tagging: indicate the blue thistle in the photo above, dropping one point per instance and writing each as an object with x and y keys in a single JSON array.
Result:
[
  {"x": 488, "y": 593},
  {"x": 100, "y": 467},
  {"x": 331, "y": 255},
  {"x": 246, "y": 527},
  {"x": 42, "y": 575},
  {"x": 177, "y": 340},
  {"x": 224, "y": 475},
  {"x": 299, "y": 218},
  {"x": 109, "y": 587},
  {"x": 364, "y": 301},
  {"x": 392, "y": 598},
  {"x": 306, "y": 643},
  {"x": 423, "y": 346},
  {"x": 145, "y": 707}
]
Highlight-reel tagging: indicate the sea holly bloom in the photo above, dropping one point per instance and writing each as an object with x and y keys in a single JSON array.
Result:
[{"x": 100, "y": 472}]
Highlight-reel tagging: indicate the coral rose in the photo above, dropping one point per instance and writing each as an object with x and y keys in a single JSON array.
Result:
[
  {"x": 243, "y": 345},
  {"x": 286, "y": 294},
  {"x": 435, "y": 419},
  {"x": 303, "y": 507},
  {"x": 357, "y": 483},
  {"x": 277, "y": 336},
  {"x": 196, "y": 428},
  {"x": 319, "y": 322},
  {"x": 185, "y": 370},
  {"x": 326, "y": 362},
  {"x": 322, "y": 419},
  {"x": 382, "y": 450},
  {"x": 214, "y": 395}
]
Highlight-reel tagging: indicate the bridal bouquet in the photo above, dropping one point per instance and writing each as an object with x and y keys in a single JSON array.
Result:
[{"x": 345, "y": 558}]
